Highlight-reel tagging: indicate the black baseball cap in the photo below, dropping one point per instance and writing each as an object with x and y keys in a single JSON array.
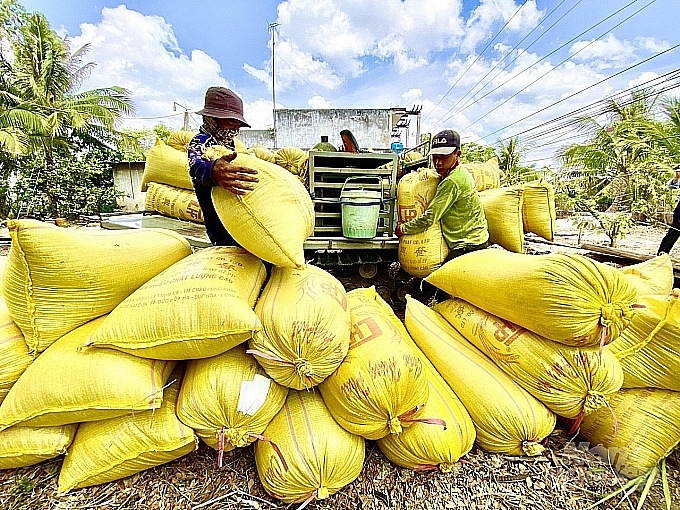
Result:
[{"x": 445, "y": 142}]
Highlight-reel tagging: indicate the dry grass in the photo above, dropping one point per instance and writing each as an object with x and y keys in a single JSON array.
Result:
[{"x": 567, "y": 477}]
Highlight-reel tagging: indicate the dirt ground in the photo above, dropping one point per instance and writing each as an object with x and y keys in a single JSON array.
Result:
[{"x": 568, "y": 476}]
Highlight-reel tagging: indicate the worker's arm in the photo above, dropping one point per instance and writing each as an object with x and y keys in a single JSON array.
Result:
[
  {"x": 443, "y": 199},
  {"x": 220, "y": 172}
]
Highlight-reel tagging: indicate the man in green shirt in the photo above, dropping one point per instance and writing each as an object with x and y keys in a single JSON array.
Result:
[{"x": 456, "y": 203}]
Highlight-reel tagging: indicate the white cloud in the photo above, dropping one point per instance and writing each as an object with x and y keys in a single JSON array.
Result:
[
  {"x": 606, "y": 53},
  {"x": 489, "y": 13},
  {"x": 259, "y": 113},
  {"x": 652, "y": 44},
  {"x": 141, "y": 53},
  {"x": 319, "y": 102}
]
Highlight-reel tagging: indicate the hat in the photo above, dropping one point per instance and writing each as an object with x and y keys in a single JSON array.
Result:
[
  {"x": 223, "y": 103},
  {"x": 445, "y": 142}
]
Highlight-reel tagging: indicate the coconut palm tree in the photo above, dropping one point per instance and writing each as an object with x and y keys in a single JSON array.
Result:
[
  {"x": 510, "y": 155},
  {"x": 615, "y": 149},
  {"x": 47, "y": 77}
]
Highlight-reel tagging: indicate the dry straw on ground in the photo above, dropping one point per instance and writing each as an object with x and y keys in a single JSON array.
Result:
[{"x": 569, "y": 477}]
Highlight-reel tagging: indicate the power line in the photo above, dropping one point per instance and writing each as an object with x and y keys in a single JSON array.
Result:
[
  {"x": 667, "y": 77},
  {"x": 565, "y": 60},
  {"x": 475, "y": 61},
  {"x": 510, "y": 52},
  {"x": 547, "y": 56}
]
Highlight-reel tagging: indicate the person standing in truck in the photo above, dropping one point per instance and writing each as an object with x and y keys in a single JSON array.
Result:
[
  {"x": 674, "y": 231},
  {"x": 222, "y": 118},
  {"x": 456, "y": 204}
]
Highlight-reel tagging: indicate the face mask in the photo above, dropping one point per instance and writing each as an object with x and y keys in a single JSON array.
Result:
[{"x": 222, "y": 135}]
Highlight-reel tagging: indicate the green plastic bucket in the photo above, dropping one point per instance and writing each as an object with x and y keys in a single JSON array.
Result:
[{"x": 360, "y": 210}]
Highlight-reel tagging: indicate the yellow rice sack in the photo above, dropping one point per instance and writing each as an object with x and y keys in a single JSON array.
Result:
[
  {"x": 108, "y": 450},
  {"x": 272, "y": 221},
  {"x": 412, "y": 156},
  {"x": 166, "y": 165},
  {"x": 539, "y": 208},
  {"x": 240, "y": 147},
  {"x": 419, "y": 254},
  {"x": 263, "y": 153},
  {"x": 507, "y": 418},
  {"x": 180, "y": 140},
  {"x": 653, "y": 276},
  {"x": 566, "y": 298},
  {"x": 503, "y": 211},
  {"x": 228, "y": 399},
  {"x": 426, "y": 445},
  {"x": 25, "y": 446},
  {"x": 317, "y": 457},
  {"x": 641, "y": 427},
  {"x": 649, "y": 349},
  {"x": 174, "y": 202},
  {"x": 305, "y": 326},
  {"x": 59, "y": 278},
  {"x": 68, "y": 384},
  {"x": 486, "y": 175},
  {"x": 570, "y": 381},
  {"x": 3, "y": 263},
  {"x": 380, "y": 387},
  {"x": 292, "y": 159},
  {"x": 199, "y": 307},
  {"x": 14, "y": 356}
]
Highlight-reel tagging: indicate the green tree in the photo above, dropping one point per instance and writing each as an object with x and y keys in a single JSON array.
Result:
[
  {"x": 44, "y": 113},
  {"x": 474, "y": 153},
  {"x": 510, "y": 155},
  {"x": 607, "y": 164}
]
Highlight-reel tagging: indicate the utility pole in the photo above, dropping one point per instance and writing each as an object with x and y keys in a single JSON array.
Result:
[
  {"x": 175, "y": 104},
  {"x": 272, "y": 29}
]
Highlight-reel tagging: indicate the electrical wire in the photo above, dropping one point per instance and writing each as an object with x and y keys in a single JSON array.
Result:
[
  {"x": 475, "y": 61},
  {"x": 569, "y": 58},
  {"x": 545, "y": 32},
  {"x": 533, "y": 65}
]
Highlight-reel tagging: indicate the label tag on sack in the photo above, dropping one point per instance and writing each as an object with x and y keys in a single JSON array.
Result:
[{"x": 253, "y": 394}]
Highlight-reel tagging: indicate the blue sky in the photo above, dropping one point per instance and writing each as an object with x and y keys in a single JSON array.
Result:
[{"x": 376, "y": 54}]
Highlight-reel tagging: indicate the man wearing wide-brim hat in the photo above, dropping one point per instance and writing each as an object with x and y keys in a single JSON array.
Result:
[
  {"x": 456, "y": 204},
  {"x": 222, "y": 119}
]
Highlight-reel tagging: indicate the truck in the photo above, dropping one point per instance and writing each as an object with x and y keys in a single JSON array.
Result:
[{"x": 356, "y": 262}]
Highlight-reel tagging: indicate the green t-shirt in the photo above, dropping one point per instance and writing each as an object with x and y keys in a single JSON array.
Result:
[{"x": 457, "y": 205}]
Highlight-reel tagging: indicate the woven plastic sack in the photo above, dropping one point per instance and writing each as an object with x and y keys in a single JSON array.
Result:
[
  {"x": 539, "y": 208},
  {"x": 654, "y": 276},
  {"x": 273, "y": 220},
  {"x": 486, "y": 175},
  {"x": 200, "y": 307},
  {"x": 166, "y": 165},
  {"x": 507, "y": 418},
  {"x": 305, "y": 326},
  {"x": 503, "y": 211},
  {"x": 108, "y": 450},
  {"x": 419, "y": 254},
  {"x": 240, "y": 147},
  {"x": 14, "y": 356},
  {"x": 412, "y": 156},
  {"x": 263, "y": 153},
  {"x": 443, "y": 436},
  {"x": 566, "y": 298},
  {"x": 68, "y": 384},
  {"x": 380, "y": 387},
  {"x": 570, "y": 381},
  {"x": 292, "y": 159},
  {"x": 3, "y": 263},
  {"x": 317, "y": 457},
  {"x": 228, "y": 399},
  {"x": 59, "y": 278},
  {"x": 641, "y": 427},
  {"x": 25, "y": 446},
  {"x": 174, "y": 202},
  {"x": 180, "y": 140},
  {"x": 649, "y": 349}
]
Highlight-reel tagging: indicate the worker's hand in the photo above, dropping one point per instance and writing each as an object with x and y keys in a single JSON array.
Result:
[
  {"x": 235, "y": 178},
  {"x": 397, "y": 231}
]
